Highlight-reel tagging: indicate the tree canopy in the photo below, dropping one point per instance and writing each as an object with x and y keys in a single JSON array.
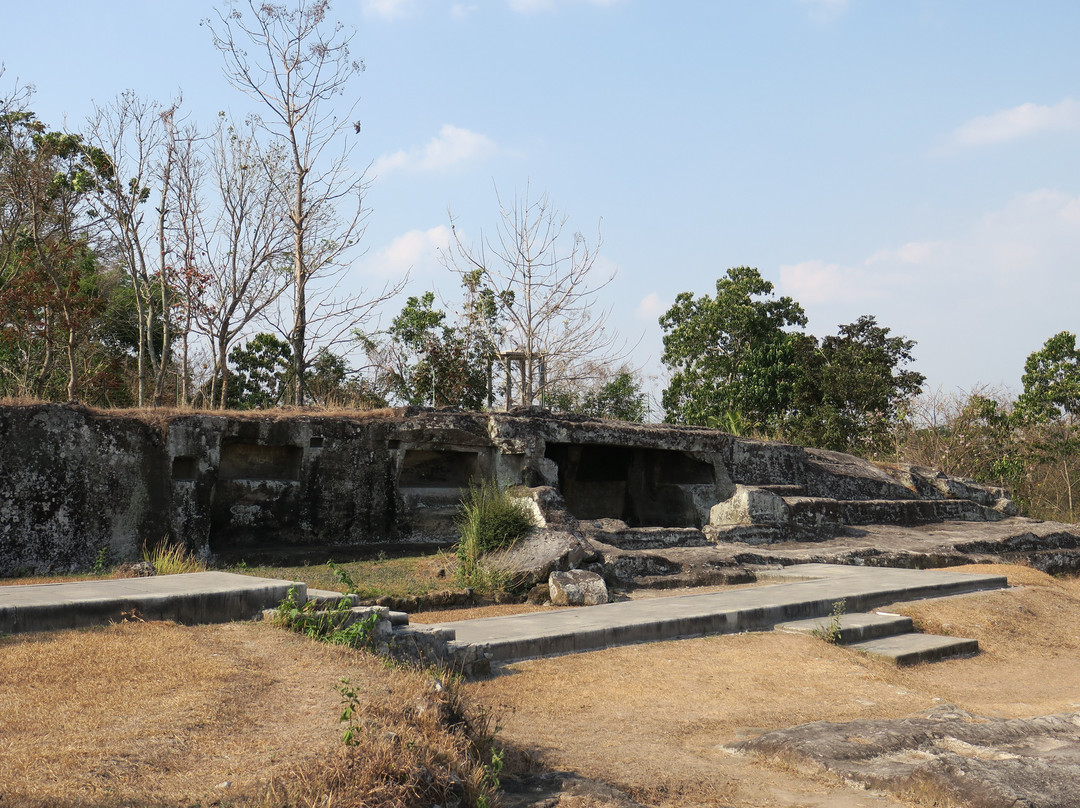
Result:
[
  {"x": 741, "y": 362},
  {"x": 852, "y": 387},
  {"x": 732, "y": 355},
  {"x": 1052, "y": 381}
]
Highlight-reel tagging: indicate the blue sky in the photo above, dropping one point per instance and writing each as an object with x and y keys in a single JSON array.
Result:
[{"x": 918, "y": 161}]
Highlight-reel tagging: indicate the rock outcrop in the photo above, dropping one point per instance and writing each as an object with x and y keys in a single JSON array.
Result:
[
  {"x": 634, "y": 502},
  {"x": 945, "y": 755}
]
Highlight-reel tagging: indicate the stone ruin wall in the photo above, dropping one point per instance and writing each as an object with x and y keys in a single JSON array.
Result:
[{"x": 73, "y": 481}]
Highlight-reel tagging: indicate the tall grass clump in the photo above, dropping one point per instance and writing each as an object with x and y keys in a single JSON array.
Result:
[
  {"x": 490, "y": 519},
  {"x": 172, "y": 559}
]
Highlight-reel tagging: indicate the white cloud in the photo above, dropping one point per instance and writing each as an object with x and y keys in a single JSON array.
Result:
[
  {"x": 651, "y": 307},
  {"x": 825, "y": 10},
  {"x": 914, "y": 252},
  {"x": 1022, "y": 121},
  {"x": 817, "y": 281},
  {"x": 452, "y": 146},
  {"x": 977, "y": 302},
  {"x": 460, "y": 11},
  {"x": 414, "y": 251},
  {"x": 387, "y": 9},
  {"x": 534, "y": 6}
]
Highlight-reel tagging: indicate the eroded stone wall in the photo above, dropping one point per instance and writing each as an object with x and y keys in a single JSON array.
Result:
[{"x": 74, "y": 481}]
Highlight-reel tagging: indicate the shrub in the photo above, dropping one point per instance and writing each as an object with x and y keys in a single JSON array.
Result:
[{"x": 490, "y": 519}]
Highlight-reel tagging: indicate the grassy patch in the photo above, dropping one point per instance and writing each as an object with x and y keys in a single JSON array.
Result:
[
  {"x": 397, "y": 577},
  {"x": 490, "y": 519},
  {"x": 172, "y": 559}
]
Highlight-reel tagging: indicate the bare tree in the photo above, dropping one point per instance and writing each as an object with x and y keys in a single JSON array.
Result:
[
  {"x": 544, "y": 285},
  {"x": 141, "y": 140},
  {"x": 13, "y": 210},
  {"x": 298, "y": 65},
  {"x": 186, "y": 204},
  {"x": 243, "y": 250}
]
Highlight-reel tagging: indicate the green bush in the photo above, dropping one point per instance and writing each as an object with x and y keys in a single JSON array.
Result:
[{"x": 490, "y": 519}]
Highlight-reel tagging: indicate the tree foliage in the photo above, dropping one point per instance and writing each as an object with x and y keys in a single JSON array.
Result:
[
  {"x": 1052, "y": 381},
  {"x": 852, "y": 388},
  {"x": 739, "y": 363},
  {"x": 425, "y": 359},
  {"x": 260, "y": 372},
  {"x": 48, "y": 268},
  {"x": 732, "y": 356},
  {"x": 615, "y": 396}
]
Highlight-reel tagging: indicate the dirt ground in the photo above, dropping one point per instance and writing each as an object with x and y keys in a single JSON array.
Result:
[
  {"x": 167, "y": 715},
  {"x": 243, "y": 714}
]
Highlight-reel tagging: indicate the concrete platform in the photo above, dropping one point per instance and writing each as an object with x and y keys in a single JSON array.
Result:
[
  {"x": 802, "y": 592},
  {"x": 196, "y": 597}
]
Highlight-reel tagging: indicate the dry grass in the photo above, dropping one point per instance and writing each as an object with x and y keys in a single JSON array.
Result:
[
  {"x": 160, "y": 417},
  {"x": 654, "y": 719},
  {"x": 159, "y": 714}
]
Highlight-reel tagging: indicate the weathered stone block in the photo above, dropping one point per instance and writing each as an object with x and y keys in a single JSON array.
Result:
[
  {"x": 750, "y": 505},
  {"x": 577, "y": 588}
]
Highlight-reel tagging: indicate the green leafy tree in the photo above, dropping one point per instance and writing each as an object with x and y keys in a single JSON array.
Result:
[
  {"x": 732, "y": 356},
  {"x": 1050, "y": 406},
  {"x": 46, "y": 178},
  {"x": 617, "y": 398},
  {"x": 1052, "y": 381},
  {"x": 852, "y": 388},
  {"x": 332, "y": 383},
  {"x": 260, "y": 372},
  {"x": 424, "y": 359}
]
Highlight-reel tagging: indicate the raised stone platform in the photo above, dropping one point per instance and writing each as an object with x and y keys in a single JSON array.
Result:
[
  {"x": 801, "y": 592},
  {"x": 196, "y": 597}
]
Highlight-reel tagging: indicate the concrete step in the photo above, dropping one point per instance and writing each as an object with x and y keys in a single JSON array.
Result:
[
  {"x": 325, "y": 597},
  {"x": 810, "y": 592},
  {"x": 852, "y": 628},
  {"x": 399, "y": 619},
  {"x": 910, "y": 649}
]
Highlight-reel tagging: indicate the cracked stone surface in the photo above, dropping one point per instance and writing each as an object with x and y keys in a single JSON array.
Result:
[{"x": 946, "y": 753}]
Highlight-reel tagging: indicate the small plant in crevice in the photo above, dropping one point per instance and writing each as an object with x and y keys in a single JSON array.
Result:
[
  {"x": 491, "y": 518},
  {"x": 101, "y": 562},
  {"x": 344, "y": 578},
  {"x": 335, "y": 624},
  {"x": 830, "y": 631},
  {"x": 172, "y": 559}
]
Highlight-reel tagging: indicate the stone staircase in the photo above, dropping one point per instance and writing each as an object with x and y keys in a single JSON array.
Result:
[
  {"x": 765, "y": 514},
  {"x": 890, "y": 636}
]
